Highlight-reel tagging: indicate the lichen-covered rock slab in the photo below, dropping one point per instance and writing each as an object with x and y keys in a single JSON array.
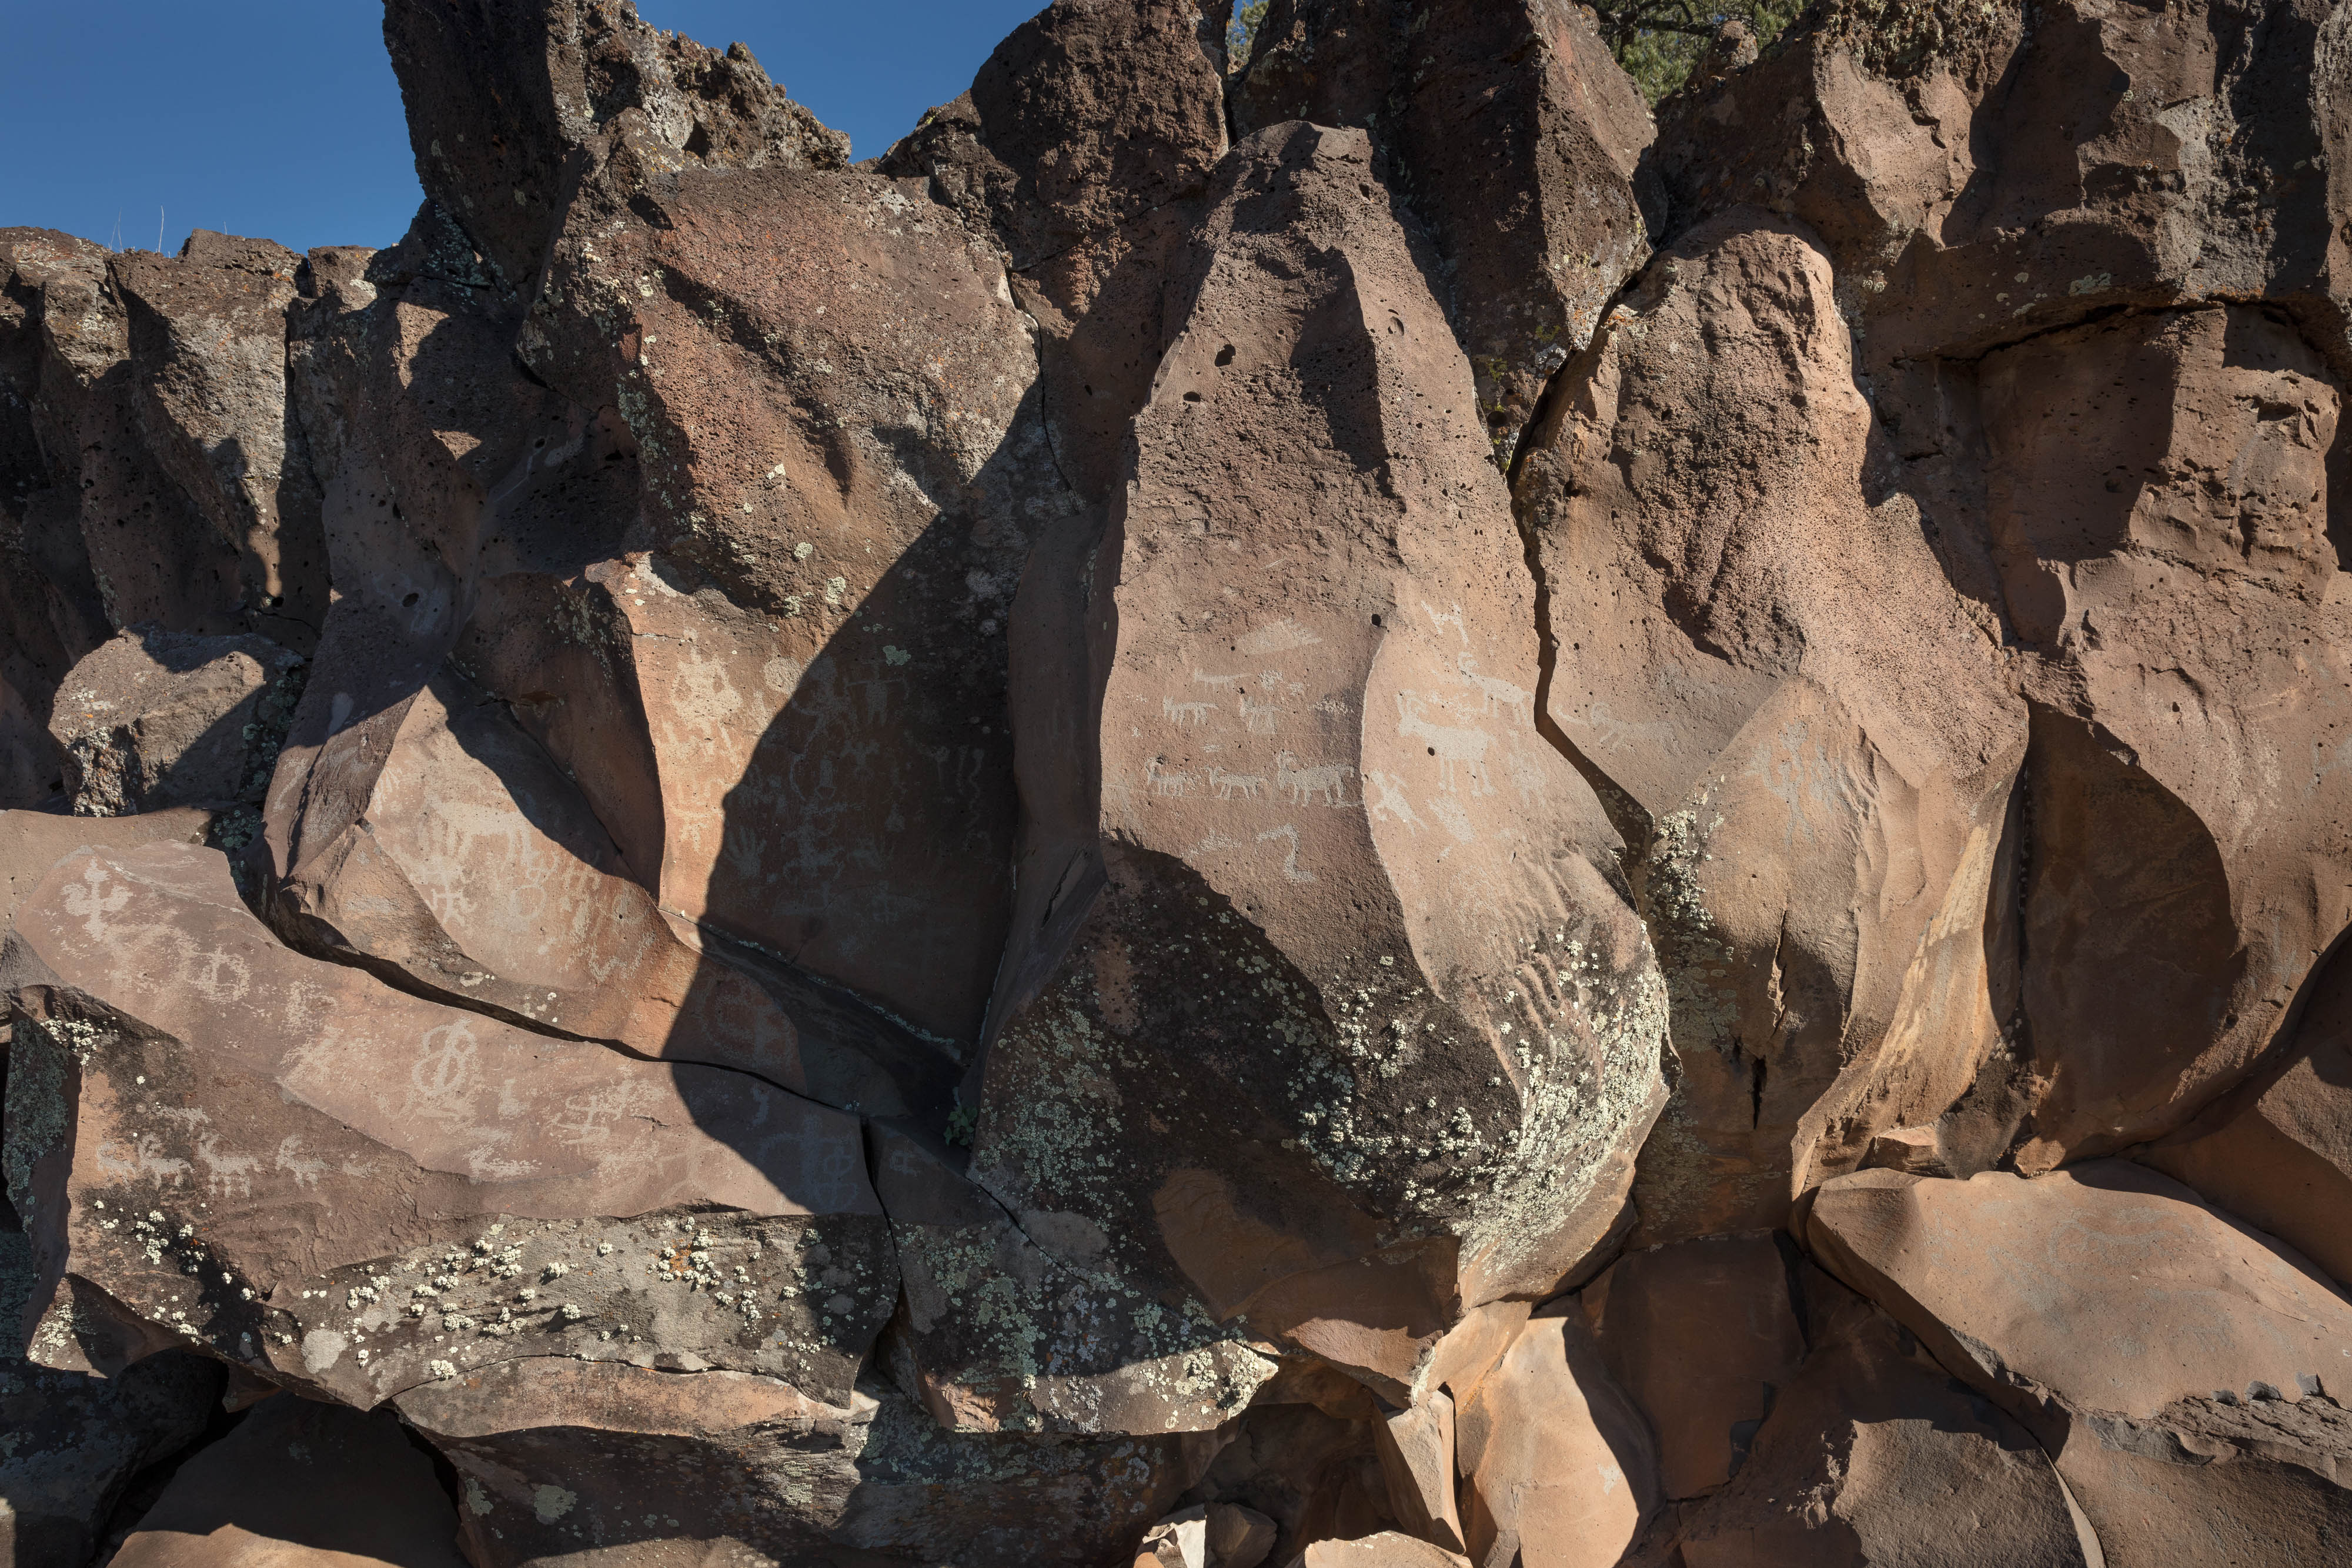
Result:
[{"x": 212, "y": 1141}]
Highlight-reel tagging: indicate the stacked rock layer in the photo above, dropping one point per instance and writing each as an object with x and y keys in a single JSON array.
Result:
[{"x": 1340, "y": 808}]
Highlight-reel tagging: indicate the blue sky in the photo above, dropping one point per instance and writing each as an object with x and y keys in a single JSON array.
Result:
[{"x": 282, "y": 118}]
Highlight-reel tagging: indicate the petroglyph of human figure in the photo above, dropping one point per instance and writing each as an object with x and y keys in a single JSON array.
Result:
[
  {"x": 91, "y": 903},
  {"x": 1329, "y": 781},
  {"x": 1386, "y": 798},
  {"x": 1452, "y": 746}
]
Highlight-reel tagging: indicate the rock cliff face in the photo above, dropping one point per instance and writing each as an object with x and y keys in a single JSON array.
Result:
[{"x": 1336, "y": 808}]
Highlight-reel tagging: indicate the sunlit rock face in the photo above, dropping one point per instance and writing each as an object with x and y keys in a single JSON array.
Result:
[{"x": 1324, "y": 802}]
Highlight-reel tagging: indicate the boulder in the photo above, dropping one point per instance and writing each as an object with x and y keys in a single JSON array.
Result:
[
  {"x": 300, "y": 1484},
  {"x": 214, "y": 1142},
  {"x": 1417, "y": 1456},
  {"x": 1807, "y": 737},
  {"x": 1328, "y": 851},
  {"x": 475, "y": 870},
  {"x": 2181, "y": 1368},
  {"x": 1554, "y": 1457},
  {"x": 117, "y": 538},
  {"x": 1984, "y": 201},
  {"x": 1236, "y": 1537},
  {"x": 51, "y": 612},
  {"x": 683, "y": 1465},
  {"x": 845, "y": 469},
  {"x": 1511, "y": 129},
  {"x": 1310, "y": 1468},
  {"x": 2278, "y": 1152},
  {"x": 1389, "y": 1549},
  {"x": 1084, "y": 146},
  {"x": 498, "y": 95},
  {"x": 1874, "y": 1455},
  {"x": 2171, "y": 911},
  {"x": 154, "y": 719},
  {"x": 1702, "y": 1337},
  {"x": 1982, "y": 180},
  {"x": 208, "y": 335},
  {"x": 33, "y": 842},
  {"x": 75, "y": 1440}
]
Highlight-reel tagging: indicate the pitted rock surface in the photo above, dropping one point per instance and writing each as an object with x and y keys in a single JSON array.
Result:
[{"x": 1303, "y": 796}]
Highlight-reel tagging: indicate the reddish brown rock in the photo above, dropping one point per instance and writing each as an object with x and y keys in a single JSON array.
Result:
[
  {"x": 33, "y": 842},
  {"x": 499, "y": 94},
  {"x": 2157, "y": 508},
  {"x": 1312, "y": 1471},
  {"x": 2100, "y": 491},
  {"x": 1792, "y": 713},
  {"x": 1511, "y": 131},
  {"x": 51, "y": 608},
  {"x": 215, "y": 1141},
  {"x": 154, "y": 719},
  {"x": 74, "y": 1440},
  {"x": 99, "y": 507},
  {"x": 207, "y": 340},
  {"x": 2181, "y": 1367},
  {"x": 1554, "y": 1457},
  {"x": 1874, "y": 1455},
  {"x": 682, "y": 1466},
  {"x": 1389, "y": 1549},
  {"x": 1942, "y": 149},
  {"x": 847, "y": 483},
  {"x": 299, "y": 1484},
  {"x": 1314, "y": 857},
  {"x": 2278, "y": 1152},
  {"x": 1085, "y": 145},
  {"x": 1417, "y": 1455},
  {"x": 1702, "y": 1337},
  {"x": 475, "y": 869}
]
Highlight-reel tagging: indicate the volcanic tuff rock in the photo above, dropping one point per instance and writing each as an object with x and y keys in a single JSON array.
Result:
[{"x": 1228, "y": 817}]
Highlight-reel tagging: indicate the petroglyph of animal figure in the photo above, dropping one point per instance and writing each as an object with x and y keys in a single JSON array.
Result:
[
  {"x": 1329, "y": 781},
  {"x": 1193, "y": 714},
  {"x": 223, "y": 1171},
  {"x": 1438, "y": 622},
  {"x": 1280, "y": 637},
  {"x": 1172, "y": 785},
  {"x": 1390, "y": 800},
  {"x": 146, "y": 1158},
  {"x": 1227, "y": 785},
  {"x": 306, "y": 1172},
  {"x": 1218, "y": 683},
  {"x": 1493, "y": 687},
  {"x": 1455, "y": 747},
  {"x": 1259, "y": 717}
]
